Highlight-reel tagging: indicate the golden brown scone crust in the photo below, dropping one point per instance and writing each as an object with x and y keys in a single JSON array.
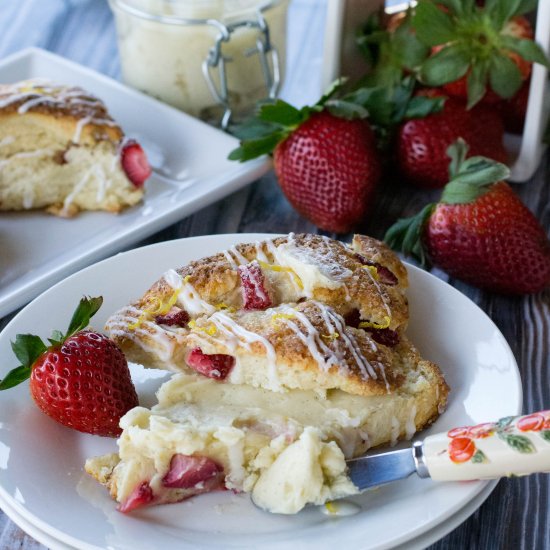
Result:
[
  {"x": 217, "y": 281},
  {"x": 303, "y": 354},
  {"x": 69, "y": 105}
]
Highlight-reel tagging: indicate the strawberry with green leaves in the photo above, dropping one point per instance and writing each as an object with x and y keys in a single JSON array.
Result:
[
  {"x": 479, "y": 231},
  {"x": 325, "y": 156},
  {"x": 478, "y": 52},
  {"x": 81, "y": 379}
]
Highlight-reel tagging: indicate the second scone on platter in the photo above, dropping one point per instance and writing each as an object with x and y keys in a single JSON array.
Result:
[
  {"x": 292, "y": 353},
  {"x": 60, "y": 150}
]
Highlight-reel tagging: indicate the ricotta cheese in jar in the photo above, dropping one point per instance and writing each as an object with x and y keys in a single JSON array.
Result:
[{"x": 199, "y": 54}]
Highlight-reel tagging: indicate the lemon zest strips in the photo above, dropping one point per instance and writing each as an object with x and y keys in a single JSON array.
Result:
[
  {"x": 285, "y": 270},
  {"x": 211, "y": 329},
  {"x": 158, "y": 306},
  {"x": 331, "y": 508},
  {"x": 276, "y": 318},
  {"x": 330, "y": 337},
  {"x": 373, "y": 271},
  {"x": 224, "y": 307},
  {"x": 370, "y": 324}
]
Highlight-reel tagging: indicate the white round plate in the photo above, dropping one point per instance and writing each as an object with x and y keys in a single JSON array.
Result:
[{"x": 41, "y": 474}]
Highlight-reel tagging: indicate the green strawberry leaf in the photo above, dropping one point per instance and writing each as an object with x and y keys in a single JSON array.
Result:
[
  {"x": 280, "y": 113},
  {"x": 447, "y": 65},
  {"x": 15, "y": 377},
  {"x": 479, "y": 457},
  {"x": 432, "y": 25},
  {"x": 56, "y": 339},
  {"x": 545, "y": 434},
  {"x": 28, "y": 348},
  {"x": 500, "y": 12},
  {"x": 333, "y": 89},
  {"x": 252, "y": 128},
  {"x": 477, "y": 83},
  {"x": 390, "y": 53},
  {"x": 519, "y": 443},
  {"x": 470, "y": 177},
  {"x": 421, "y": 107},
  {"x": 408, "y": 51},
  {"x": 254, "y": 148},
  {"x": 405, "y": 235},
  {"x": 529, "y": 50},
  {"x": 458, "y": 151},
  {"x": 346, "y": 109},
  {"x": 504, "y": 76},
  {"x": 85, "y": 310}
]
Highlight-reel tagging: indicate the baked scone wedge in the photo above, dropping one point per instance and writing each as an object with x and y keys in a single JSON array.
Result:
[
  {"x": 365, "y": 283},
  {"x": 295, "y": 359},
  {"x": 60, "y": 150},
  {"x": 286, "y": 449}
]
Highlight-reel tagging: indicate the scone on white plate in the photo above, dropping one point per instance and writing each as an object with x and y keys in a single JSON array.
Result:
[
  {"x": 295, "y": 359},
  {"x": 60, "y": 150},
  {"x": 364, "y": 283}
]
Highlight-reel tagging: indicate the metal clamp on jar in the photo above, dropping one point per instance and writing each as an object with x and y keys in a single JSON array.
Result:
[{"x": 211, "y": 58}]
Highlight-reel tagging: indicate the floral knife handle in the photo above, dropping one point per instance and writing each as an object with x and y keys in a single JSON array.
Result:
[{"x": 515, "y": 445}]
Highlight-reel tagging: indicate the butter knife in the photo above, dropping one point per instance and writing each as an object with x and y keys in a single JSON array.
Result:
[{"x": 513, "y": 445}]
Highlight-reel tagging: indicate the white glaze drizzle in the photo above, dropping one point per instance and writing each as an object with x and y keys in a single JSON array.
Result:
[
  {"x": 69, "y": 199},
  {"x": 230, "y": 260},
  {"x": 380, "y": 291},
  {"x": 36, "y": 101},
  {"x": 365, "y": 367},
  {"x": 260, "y": 255},
  {"x": 272, "y": 249},
  {"x": 188, "y": 296},
  {"x": 27, "y": 154},
  {"x": 43, "y": 91},
  {"x": 78, "y": 129},
  {"x": 311, "y": 339},
  {"x": 165, "y": 340}
]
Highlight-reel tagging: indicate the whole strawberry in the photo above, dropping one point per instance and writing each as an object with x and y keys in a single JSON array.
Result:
[
  {"x": 421, "y": 144},
  {"x": 81, "y": 379},
  {"x": 480, "y": 231},
  {"x": 328, "y": 169},
  {"x": 325, "y": 158},
  {"x": 479, "y": 51}
]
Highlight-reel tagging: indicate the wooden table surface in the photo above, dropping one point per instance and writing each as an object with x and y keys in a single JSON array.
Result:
[{"x": 517, "y": 514}]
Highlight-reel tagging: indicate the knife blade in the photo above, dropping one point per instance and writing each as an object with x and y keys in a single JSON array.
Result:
[{"x": 385, "y": 467}]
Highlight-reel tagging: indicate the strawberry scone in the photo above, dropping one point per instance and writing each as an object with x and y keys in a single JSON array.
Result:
[
  {"x": 60, "y": 150},
  {"x": 293, "y": 358}
]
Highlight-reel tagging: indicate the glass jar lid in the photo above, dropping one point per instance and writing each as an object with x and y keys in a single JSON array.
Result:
[{"x": 193, "y": 11}]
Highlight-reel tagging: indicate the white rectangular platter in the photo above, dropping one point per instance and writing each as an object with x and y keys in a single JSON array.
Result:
[{"x": 37, "y": 249}]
